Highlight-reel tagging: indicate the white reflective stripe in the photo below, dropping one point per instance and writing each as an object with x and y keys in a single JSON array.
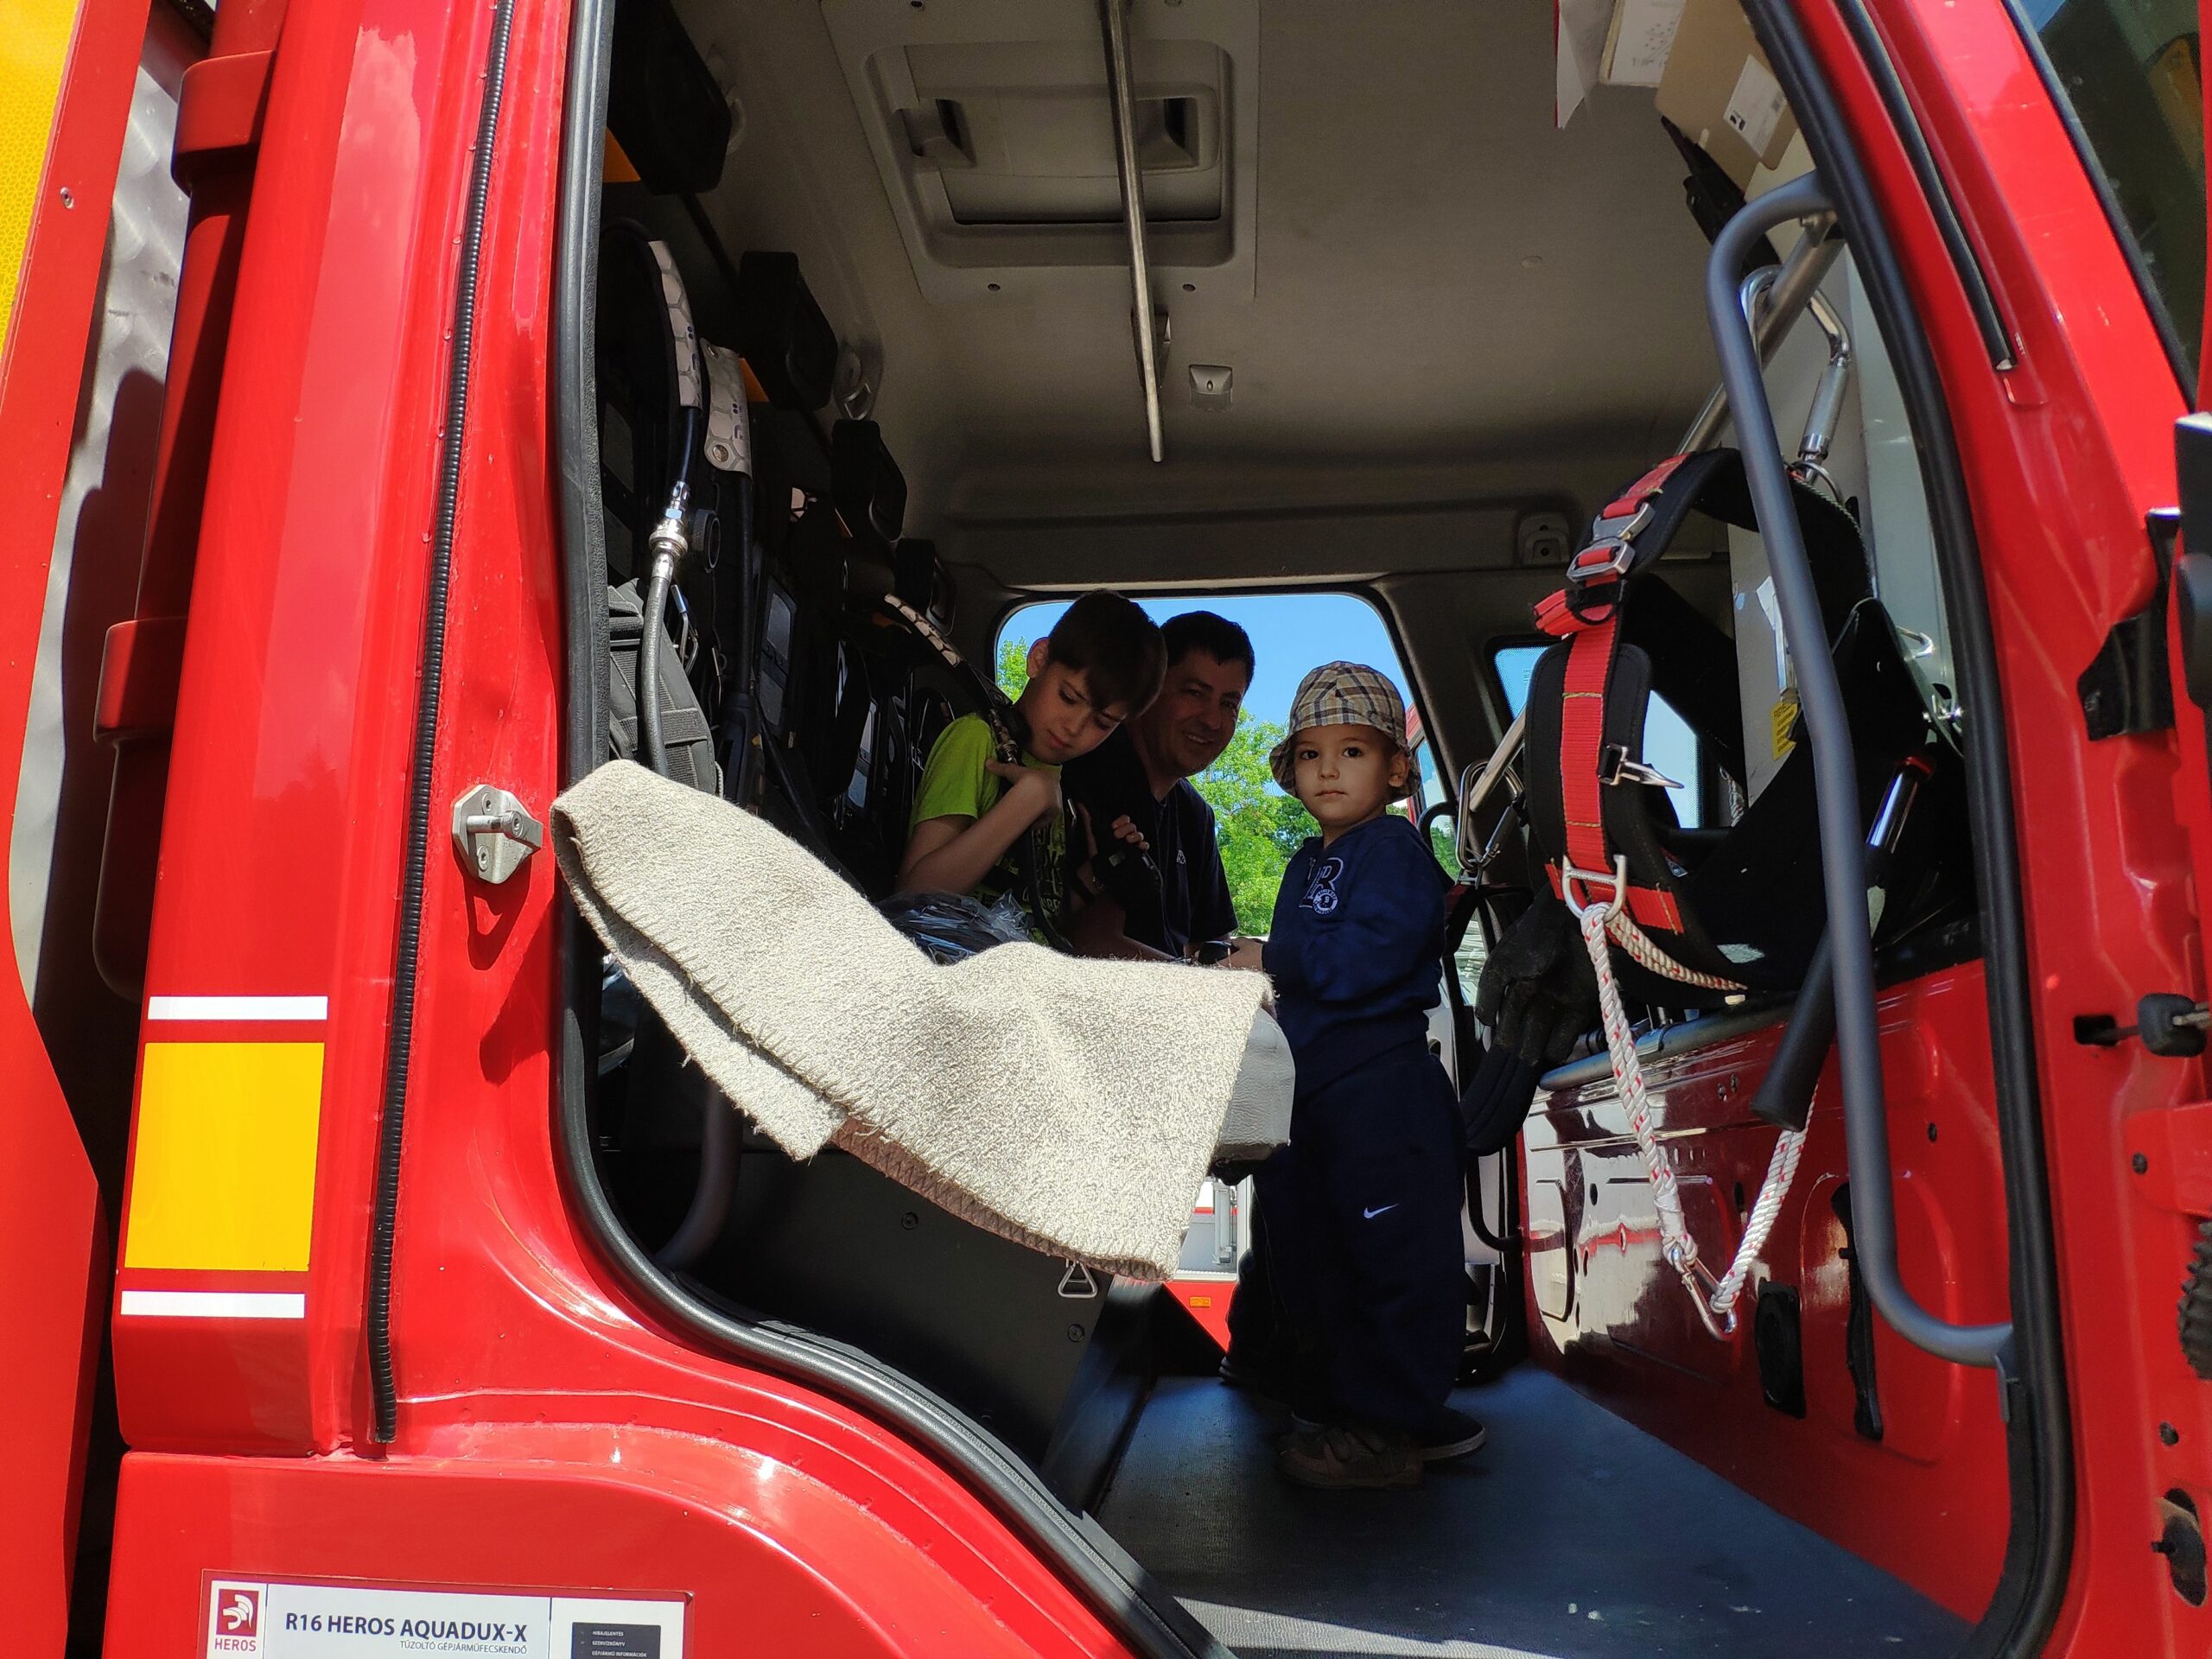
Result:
[
  {"x": 215, "y": 1303},
  {"x": 237, "y": 1008}
]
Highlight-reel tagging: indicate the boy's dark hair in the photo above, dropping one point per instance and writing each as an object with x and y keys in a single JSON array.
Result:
[
  {"x": 1216, "y": 636},
  {"x": 1116, "y": 646}
]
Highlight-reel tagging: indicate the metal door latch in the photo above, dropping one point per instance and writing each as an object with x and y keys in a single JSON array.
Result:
[
  {"x": 494, "y": 833},
  {"x": 2168, "y": 1025}
]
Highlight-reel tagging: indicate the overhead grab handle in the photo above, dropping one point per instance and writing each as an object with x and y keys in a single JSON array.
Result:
[
  {"x": 1842, "y": 857},
  {"x": 1117, "y": 16}
]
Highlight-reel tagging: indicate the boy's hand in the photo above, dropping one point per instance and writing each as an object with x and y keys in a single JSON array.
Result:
[
  {"x": 1039, "y": 791},
  {"x": 1247, "y": 954},
  {"x": 1124, "y": 829}
]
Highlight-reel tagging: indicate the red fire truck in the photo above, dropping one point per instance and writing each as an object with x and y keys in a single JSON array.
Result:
[{"x": 376, "y": 1277}]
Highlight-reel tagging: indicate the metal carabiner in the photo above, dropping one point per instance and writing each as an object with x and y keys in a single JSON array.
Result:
[
  {"x": 1681, "y": 1254},
  {"x": 1718, "y": 1326}
]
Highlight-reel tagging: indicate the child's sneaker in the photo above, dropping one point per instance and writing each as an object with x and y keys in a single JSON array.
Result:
[
  {"x": 1333, "y": 1458},
  {"x": 1449, "y": 1434}
]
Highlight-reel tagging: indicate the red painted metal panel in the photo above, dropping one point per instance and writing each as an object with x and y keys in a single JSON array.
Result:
[
  {"x": 775, "y": 1558},
  {"x": 53, "y": 1244},
  {"x": 287, "y": 787},
  {"x": 1927, "y": 1501},
  {"x": 2065, "y": 455}
]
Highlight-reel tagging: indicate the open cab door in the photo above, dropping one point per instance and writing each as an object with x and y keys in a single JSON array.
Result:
[{"x": 66, "y": 81}]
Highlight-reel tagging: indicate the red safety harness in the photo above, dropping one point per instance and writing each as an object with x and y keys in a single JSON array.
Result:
[{"x": 1587, "y": 614}]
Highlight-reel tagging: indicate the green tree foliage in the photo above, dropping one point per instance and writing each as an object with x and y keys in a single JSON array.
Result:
[
  {"x": 1013, "y": 667},
  {"x": 1260, "y": 827}
]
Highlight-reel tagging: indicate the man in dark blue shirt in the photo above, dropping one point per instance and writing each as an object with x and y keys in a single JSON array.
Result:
[{"x": 1142, "y": 773}]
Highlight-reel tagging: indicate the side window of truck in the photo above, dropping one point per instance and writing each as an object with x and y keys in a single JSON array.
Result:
[{"x": 2131, "y": 71}]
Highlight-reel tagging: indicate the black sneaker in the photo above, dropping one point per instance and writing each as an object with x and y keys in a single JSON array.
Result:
[
  {"x": 1449, "y": 1434},
  {"x": 1335, "y": 1458}
]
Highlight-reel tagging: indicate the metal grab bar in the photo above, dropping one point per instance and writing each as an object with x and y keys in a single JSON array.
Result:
[
  {"x": 1866, "y": 1134},
  {"x": 1116, "y": 13}
]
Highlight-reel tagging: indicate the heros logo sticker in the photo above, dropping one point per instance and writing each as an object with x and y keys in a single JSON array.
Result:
[{"x": 236, "y": 1617}]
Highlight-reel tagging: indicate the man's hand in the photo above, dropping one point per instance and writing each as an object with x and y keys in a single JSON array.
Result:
[
  {"x": 1247, "y": 954},
  {"x": 1039, "y": 790}
]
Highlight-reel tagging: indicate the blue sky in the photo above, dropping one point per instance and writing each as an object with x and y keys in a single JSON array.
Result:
[{"x": 1291, "y": 633}]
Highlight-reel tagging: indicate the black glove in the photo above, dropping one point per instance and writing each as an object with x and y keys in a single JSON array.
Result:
[
  {"x": 1497, "y": 1102},
  {"x": 1538, "y": 994}
]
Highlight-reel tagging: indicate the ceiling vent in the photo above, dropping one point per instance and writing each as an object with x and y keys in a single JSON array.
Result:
[{"x": 990, "y": 125}]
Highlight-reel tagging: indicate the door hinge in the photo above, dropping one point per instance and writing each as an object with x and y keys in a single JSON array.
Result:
[{"x": 2129, "y": 686}]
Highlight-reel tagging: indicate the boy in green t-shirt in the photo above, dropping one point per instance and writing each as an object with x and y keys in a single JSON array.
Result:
[{"x": 1103, "y": 663}]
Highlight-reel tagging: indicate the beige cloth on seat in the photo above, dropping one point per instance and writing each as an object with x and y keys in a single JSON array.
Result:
[{"x": 1070, "y": 1105}]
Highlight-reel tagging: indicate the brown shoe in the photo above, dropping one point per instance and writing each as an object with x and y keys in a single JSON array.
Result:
[{"x": 1335, "y": 1458}]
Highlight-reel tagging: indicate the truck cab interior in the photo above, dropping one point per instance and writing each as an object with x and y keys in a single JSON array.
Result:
[{"x": 1426, "y": 286}]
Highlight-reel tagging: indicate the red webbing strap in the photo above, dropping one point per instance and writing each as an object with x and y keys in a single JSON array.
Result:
[
  {"x": 1648, "y": 907},
  {"x": 1555, "y": 617},
  {"x": 1644, "y": 489},
  {"x": 1582, "y": 734}
]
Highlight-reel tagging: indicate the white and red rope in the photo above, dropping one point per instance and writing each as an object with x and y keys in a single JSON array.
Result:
[{"x": 1715, "y": 1299}]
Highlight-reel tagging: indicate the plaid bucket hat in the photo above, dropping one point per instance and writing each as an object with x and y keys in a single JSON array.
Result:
[{"x": 1338, "y": 694}]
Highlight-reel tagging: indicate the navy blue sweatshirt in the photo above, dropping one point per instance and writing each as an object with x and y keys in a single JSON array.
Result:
[{"x": 1356, "y": 948}]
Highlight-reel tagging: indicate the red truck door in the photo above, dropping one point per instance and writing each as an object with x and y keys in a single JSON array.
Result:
[
  {"x": 2071, "y": 139},
  {"x": 66, "y": 86}
]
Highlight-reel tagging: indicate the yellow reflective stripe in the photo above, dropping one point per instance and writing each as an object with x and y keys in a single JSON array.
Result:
[
  {"x": 34, "y": 50},
  {"x": 223, "y": 1176}
]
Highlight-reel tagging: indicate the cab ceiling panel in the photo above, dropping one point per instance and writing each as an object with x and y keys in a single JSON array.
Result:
[{"x": 992, "y": 131}]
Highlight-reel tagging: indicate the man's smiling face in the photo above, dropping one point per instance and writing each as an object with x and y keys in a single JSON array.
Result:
[{"x": 1191, "y": 722}]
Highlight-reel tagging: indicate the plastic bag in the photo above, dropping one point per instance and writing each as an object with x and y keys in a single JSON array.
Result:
[{"x": 952, "y": 926}]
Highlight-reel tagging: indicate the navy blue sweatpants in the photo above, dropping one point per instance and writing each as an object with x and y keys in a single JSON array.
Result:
[{"x": 1372, "y": 1193}]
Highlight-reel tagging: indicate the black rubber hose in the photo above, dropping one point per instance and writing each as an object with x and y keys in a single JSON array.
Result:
[
  {"x": 651, "y": 749},
  {"x": 391, "y": 1134},
  {"x": 1866, "y": 1131},
  {"x": 740, "y": 739},
  {"x": 1785, "y": 1094}
]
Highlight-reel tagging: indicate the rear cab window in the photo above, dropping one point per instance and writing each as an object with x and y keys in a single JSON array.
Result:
[{"x": 1260, "y": 826}]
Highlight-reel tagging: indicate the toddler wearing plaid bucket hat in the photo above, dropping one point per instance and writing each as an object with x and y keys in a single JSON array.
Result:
[
  {"x": 1362, "y": 1207},
  {"x": 1339, "y": 693}
]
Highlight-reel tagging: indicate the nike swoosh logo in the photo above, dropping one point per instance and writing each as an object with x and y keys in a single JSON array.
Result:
[{"x": 1371, "y": 1214}]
